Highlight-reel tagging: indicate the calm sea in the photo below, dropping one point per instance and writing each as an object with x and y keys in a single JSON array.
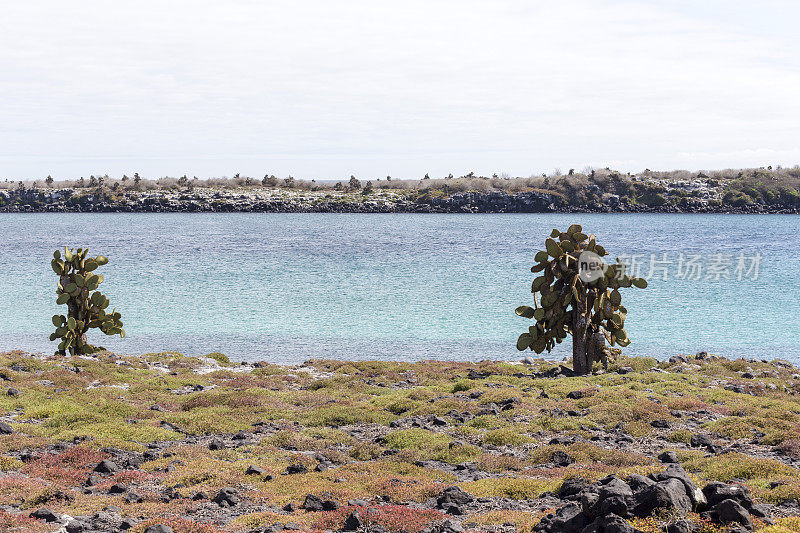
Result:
[{"x": 286, "y": 288}]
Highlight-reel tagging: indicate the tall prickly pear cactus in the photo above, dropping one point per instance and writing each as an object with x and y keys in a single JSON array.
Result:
[
  {"x": 86, "y": 306},
  {"x": 574, "y": 297}
]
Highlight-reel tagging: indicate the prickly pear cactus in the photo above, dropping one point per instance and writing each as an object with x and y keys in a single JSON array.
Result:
[
  {"x": 588, "y": 307},
  {"x": 86, "y": 306}
]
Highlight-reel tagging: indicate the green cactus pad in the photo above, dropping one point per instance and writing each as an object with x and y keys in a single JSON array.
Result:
[
  {"x": 575, "y": 228},
  {"x": 524, "y": 311},
  {"x": 553, "y": 249}
]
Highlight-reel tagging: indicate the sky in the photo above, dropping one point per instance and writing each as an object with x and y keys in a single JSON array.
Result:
[{"x": 322, "y": 89}]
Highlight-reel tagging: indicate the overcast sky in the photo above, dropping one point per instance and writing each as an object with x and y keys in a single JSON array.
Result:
[{"x": 321, "y": 88}]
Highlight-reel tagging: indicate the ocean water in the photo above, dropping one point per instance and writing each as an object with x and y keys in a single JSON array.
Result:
[{"x": 287, "y": 288}]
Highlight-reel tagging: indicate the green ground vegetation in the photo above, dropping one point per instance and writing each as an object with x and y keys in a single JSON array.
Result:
[{"x": 371, "y": 423}]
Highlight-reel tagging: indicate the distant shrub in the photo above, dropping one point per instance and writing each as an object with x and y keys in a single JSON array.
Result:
[
  {"x": 402, "y": 405},
  {"x": 680, "y": 435},
  {"x": 791, "y": 447},
  {"x": 9, "y": 463},
  {"x": 462, "y": 385},
  {"x": 219, "y": 358},
  {"x": 516, "y": 488},
  {"x": 504, "y": 437},
  {"x": 366, "y": 451},
  {"x": 651, "y": 195},
  {"x": 737, "y": 199}
]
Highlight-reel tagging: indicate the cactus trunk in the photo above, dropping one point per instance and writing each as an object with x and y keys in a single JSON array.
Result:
[
  {"x": 596, "y": 352},
  {"x": 580, "y": 355}
]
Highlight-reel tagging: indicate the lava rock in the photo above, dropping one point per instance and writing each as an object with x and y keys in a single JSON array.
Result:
[
  {"x": 716, "y": 492},
  {"x": 75, "y": 526},
  {"x": 612, "y": 523},
  {"x": 699, "y": 441},
  {"x": 453, "y": 496},
  {"x": 571, "y": 489},
  {"x": 227, "y": 497},
  {"x": 668, "y": 457},
  {"x": 669, "y": 496},
  {"x": 44, "y": 514},
  {"x": 759, "y": 510},
  {"x": 730, "y": 512},
  {"x": 106, "y": 467},
  {"x": 296, "y": 469},
  {"x": 566, "y": 519},
  {"x": 353, "y": 522},
  {"x": 683, "y": 526},
  {"x": 150, "y": 455},
  {"x": 438, "y": 421},
  {"x": 170, "y": 426},
  {"x": 254, "y": 470},
  {"x": 329, "y": 505},
  {"x": 676, "y": 471},
  {"x": 117, "y": 488},
  {"x": 607, "y": 496},
  {"x": 638, "y": 482},
  {"x": 312, "y": 503},
  {"x": 132, "y": 497},
  {"x": 561, "y": 458}
]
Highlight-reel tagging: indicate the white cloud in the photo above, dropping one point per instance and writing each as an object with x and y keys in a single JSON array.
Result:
[{"x": 373, "y": 88}]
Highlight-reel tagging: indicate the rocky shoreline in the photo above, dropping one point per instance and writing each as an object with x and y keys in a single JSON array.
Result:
[
  {"x": 162, "y": 443},
  {"x": 328, "y": 201}
]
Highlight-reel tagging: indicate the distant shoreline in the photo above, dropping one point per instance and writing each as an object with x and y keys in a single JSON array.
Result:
[
  {"x": 731, "y": 191},
  {"x": 265, "y": 200}
]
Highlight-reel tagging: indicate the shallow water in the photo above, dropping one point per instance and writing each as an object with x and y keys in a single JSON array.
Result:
[{"x": 286, "y": 288}]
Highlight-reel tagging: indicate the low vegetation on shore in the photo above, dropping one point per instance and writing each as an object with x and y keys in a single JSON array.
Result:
[
  {"x": 167, "y": 442},
  {"x": 594, "y": 190}
]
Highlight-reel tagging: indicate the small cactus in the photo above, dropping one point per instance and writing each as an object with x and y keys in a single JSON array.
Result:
[
  {"x": 565, "y": 303},
  {"x": 86, "y": 306}
]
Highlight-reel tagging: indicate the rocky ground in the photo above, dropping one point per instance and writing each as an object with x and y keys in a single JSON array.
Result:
[{"x": 163, "y": 443}]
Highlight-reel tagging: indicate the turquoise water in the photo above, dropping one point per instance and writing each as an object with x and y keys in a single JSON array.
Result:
[{"x": 287, "y": 288}]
